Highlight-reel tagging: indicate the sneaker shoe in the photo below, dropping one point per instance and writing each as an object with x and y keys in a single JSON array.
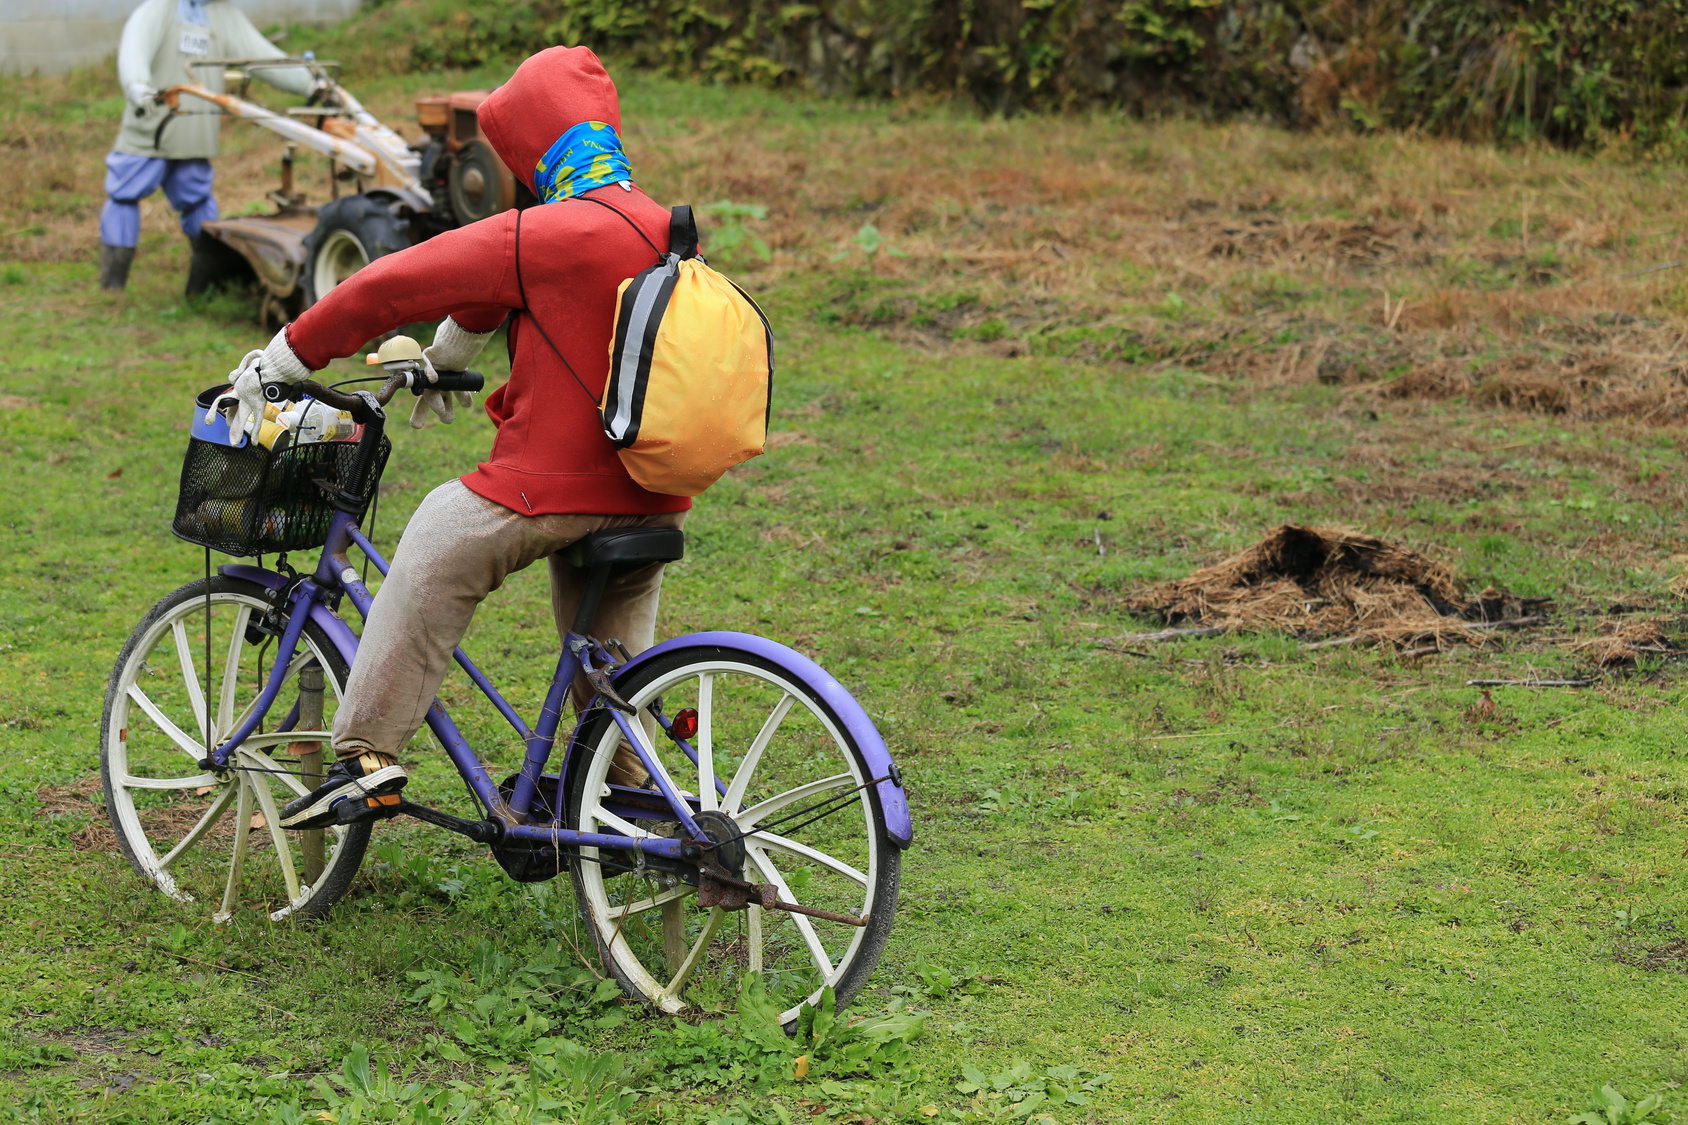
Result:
[{"x": 371, "y": 782}]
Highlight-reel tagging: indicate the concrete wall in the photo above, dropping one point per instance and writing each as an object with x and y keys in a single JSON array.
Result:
[{"x": 56, "y": 35}]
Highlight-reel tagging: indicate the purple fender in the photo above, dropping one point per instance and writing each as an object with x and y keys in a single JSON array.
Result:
[
  {"x": 892, "y": 799},
  {"x": 340, "y": 634}
]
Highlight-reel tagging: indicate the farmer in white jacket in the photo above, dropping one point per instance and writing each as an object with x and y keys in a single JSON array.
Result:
[{"x": 157, "y": 148}]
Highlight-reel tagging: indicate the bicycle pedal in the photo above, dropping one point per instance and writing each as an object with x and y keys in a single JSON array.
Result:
[{"x": 358, "y": 810}]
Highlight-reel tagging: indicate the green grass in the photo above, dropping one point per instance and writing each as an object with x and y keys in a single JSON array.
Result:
[{"x": 1248, "y": 882}]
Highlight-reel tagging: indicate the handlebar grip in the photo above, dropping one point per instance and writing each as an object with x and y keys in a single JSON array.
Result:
[{"x": 456, "y": 381}]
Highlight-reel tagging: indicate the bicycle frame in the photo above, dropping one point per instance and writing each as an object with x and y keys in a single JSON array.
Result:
[{"x": 309, "y": 600}]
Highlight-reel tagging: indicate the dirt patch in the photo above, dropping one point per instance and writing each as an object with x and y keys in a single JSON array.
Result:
[
  {"x": 1623, "y": 644},
  {"x": 1326, "y": 581},
  {"x": 85, "y": 797},
  {"x": 62, "y": 800},
  {"x": 1672, "y": 955}
]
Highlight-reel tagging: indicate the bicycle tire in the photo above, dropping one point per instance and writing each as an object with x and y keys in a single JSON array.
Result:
[
  {"x": 150, "y": 751},
  {"x": 627, "y": 959}
]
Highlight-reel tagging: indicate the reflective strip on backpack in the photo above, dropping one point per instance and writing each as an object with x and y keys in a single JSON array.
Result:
[{"x": 635, "y": 338}]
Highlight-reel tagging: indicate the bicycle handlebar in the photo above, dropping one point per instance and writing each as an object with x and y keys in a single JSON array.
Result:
[{"x": 354, "y": 403}]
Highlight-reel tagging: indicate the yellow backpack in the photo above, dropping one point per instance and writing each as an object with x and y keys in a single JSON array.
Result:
[{"x": 691, "y": 374}]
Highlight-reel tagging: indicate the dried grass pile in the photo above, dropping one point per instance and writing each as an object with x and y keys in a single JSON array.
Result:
[
  {"x": 86, "y": 797},
  {"x": 1324, "y": 581}
]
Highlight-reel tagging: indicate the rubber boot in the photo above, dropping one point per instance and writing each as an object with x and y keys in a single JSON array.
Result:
[{"x": 114, "y": 267}]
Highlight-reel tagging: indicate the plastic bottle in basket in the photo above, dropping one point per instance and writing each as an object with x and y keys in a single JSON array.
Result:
[
  {"x": 226, "y": 520},
  {"x": 314, "y": 421}
]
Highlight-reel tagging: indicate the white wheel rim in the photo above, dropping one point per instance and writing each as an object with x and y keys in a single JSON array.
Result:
[
  {"x": 133, "y": 706},
  {"x": 767, "y": 852},
  {"x": 339, "y": 257}
]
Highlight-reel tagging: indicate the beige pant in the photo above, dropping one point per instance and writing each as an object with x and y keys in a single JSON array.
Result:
[{"x": 457, "y": 549}]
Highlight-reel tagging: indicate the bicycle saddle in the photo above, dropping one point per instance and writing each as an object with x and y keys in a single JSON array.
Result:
[{"x": 627, "y": 546}]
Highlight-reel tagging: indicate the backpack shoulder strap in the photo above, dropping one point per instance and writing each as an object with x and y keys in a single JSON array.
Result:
[
  {"x": 660, "y": 256},
  {"x": 521, "y": 292},
  {"x": 682, "y": 232}
]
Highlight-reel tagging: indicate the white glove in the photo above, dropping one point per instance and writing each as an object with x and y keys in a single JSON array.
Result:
[
  {"x": 453, "y": 349},
  {"x": 243, "y": 403},
  {"x": 140, "y": 95}
]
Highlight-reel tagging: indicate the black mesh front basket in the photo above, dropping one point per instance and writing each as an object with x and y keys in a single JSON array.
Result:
[{"x": 251, "y": 501}]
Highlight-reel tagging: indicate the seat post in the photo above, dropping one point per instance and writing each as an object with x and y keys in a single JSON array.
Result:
[{"x": 597, "y": 579}]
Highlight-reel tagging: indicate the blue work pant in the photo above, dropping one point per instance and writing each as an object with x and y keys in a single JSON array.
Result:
[{"x": 130, "y": 179}]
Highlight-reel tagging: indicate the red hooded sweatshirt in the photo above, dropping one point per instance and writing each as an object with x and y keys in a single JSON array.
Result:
[{"x": 551, "y": 454}]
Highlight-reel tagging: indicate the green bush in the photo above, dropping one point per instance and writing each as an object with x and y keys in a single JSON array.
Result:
[{"x": 1570, "y": 71}]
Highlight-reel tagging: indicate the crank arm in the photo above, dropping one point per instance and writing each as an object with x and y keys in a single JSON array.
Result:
[{"x": 480, "y": 831}]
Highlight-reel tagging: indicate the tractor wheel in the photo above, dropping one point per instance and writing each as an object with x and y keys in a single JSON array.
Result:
[
  {"x": 351, "y": 232},
  {"x": 480, "y": 184}
]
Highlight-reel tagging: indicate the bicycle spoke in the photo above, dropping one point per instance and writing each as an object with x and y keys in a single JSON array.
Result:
[
  {"x": 754, "y": 936},
  {"x": 231, "y": 669},
  {"x": 300, "y": 659},
  {"x": 197, "y": 781},
  {"x": 707, "y": 794},
  {"x": 250, "y": 749},
  {"x": 810, "y": 938},
  {"x": 654, "y": 901},
  {"x": 683, "y": 974},
  {"x": 804, "y": 851},
  {"x": 237, "y": 861},
  {"x": 753, "y": 756},
  {"x": 278, "y": 835},
  {"x": 625, "y": 827},
  {"x": 174, "y": 733},
  {"x": 658, "y": 770},
  {"x": 196, "y": 694},
  {"x": 790, "y": 796},
  {"x": 205, "y": 824}
]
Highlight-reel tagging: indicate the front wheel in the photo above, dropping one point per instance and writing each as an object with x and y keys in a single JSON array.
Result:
[
  {"x": 768, "y": 756},
  {"x": 201, "y": 836}
]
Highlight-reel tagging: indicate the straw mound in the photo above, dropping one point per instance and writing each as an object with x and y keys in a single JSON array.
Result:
[{"x": 1322, "y": 581}]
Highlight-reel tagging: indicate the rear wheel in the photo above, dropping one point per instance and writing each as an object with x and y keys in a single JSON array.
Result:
[
  {"x": 203, "y": 836},
  {"x": 769, "y": 755},
  {"x": 351, "y": 232}
]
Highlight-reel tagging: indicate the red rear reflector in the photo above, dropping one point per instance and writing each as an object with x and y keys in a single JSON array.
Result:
[{"x": 684, "y": 724}]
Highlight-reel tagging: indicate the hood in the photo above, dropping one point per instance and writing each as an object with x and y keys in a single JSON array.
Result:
[{"x": 548, "y": 95}]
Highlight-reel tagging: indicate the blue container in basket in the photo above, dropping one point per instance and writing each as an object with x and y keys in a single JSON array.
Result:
[{"x": 217, "y": 429}]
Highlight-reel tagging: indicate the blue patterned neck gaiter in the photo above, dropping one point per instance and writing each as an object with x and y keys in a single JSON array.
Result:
[
  {"x": 191, "y": 11},
  {"x": 587, "y": 156}
]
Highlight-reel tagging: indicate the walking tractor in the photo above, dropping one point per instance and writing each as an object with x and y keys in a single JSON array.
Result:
[{"x": 401, "y": 193}]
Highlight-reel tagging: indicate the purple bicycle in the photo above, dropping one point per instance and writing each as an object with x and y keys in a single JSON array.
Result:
[{"x": 766, "y": 837}]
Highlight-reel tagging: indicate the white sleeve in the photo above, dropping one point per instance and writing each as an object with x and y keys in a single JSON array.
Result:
[
  {"x": 143, "y": 33},
  {"x": 247, "y": 42}
]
